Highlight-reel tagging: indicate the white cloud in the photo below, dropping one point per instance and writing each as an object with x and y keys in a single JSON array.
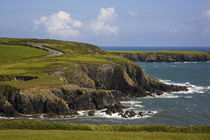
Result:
[
  {"x": 60, "y": 24},
  {"x": 207, "y": 13},
  {"x": 132, "y": 13},
  {"x": 206, "y": 22},
  {"x": 104, "y": 22}
]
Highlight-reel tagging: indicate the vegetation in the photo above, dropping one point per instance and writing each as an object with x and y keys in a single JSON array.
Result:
[
  {"x": 18, "y": 57},
  {"x": 33, "y": 130},
  {"x": 38, "y": 125},
  {"x": 95, "y": 135}
]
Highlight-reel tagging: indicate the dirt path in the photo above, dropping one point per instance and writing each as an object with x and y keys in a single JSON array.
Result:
[{"x": 52, "y": 52}]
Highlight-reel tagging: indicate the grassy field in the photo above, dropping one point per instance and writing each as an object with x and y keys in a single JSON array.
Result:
[
  {"x": 89, "y": 135},
  {"x": 35, "y": 130},
  {"x": 14, "y": 53},
  {"x": 39, "y": 125}
]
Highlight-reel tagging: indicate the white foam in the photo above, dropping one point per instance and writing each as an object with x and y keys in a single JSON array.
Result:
[
  {"x": 188, "y": 97},
  {"x": 41, "y": 116},
  {"x": 83, "y": 113},
  {"x": 6, "y": 118},
  {"x": 138, "y": 106},
  {"x": 191, "y": 88},
  {"x": 131, "y": 102},
  {"x": 164, "y": 95},
  {"x": 102, "y": 114}
]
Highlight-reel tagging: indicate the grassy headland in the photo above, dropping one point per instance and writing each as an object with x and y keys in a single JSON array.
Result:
[
  {"x": 164, "y": 55},
  {"x": 18, "y": 57}
]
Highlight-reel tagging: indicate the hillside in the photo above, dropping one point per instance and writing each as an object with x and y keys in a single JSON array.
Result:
[
  {"x": 81, "y": 77},
  {"x": 163, "y": 56}
]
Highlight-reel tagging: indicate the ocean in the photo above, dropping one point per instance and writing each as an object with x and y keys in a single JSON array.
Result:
[{"x": 178, "y": 108}]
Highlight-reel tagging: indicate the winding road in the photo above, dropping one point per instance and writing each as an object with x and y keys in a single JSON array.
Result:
[{"x": 52, "y": 52}]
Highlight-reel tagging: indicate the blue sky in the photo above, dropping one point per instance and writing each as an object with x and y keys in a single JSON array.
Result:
[{"x": 109, "y": 22}]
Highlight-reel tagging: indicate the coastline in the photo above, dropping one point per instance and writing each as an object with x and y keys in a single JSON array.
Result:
[{"x": 164, "y": 56}]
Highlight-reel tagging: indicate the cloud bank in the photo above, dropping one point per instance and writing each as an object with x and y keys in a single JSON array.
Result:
[
  {"x": 103, "y": 25},
  {"x": 60, "y": 24}
]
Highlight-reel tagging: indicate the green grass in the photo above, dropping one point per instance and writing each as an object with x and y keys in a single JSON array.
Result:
[
  {"x": 94, "y": 135},
  {"x": 15, "y": 52},
  {"x": 19, "y": 58},
  {"x": 36, "y": 130},
  {"x": 38, "y": 125}
]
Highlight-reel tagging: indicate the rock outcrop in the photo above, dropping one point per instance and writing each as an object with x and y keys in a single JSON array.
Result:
[
  {"x": 57, "y": 101},
  {"x": 127, "y": 78}
]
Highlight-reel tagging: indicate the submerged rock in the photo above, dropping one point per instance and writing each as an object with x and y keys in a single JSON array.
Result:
[{"x": 140, "y": 114}]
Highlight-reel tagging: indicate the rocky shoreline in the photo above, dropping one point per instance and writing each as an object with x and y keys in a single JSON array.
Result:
[{"x": 91, "y": 87}]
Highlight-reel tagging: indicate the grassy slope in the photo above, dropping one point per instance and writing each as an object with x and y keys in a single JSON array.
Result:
[
  {"x": 26, "y": 62},
  {"x": 14, "y": 53},
  {"x": 88, "y": 135}
]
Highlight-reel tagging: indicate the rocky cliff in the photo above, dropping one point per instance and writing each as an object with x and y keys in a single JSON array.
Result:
[{"x": 96, "y": 86}]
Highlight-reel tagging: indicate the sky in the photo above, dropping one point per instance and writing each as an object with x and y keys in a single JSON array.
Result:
[{"x": 109, "y": 22}]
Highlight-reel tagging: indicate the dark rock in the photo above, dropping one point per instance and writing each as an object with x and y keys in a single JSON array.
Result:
[
  {"x": 129, "y": 113},
  {"x": 124, "y": 116},
  {"x": 132, "y": 114},
  {"x": 16, "y": 78},
  {"x": 150, "y": 112},
  {"x": 108, "y": 112},
  {"x": 91, "y": 113},
  {"x": 140, "y": 114}
]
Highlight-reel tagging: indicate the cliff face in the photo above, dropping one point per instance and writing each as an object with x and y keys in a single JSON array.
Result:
[
  {"x": 127, "y": 78},
  {"x": 62, "y": 100}
]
